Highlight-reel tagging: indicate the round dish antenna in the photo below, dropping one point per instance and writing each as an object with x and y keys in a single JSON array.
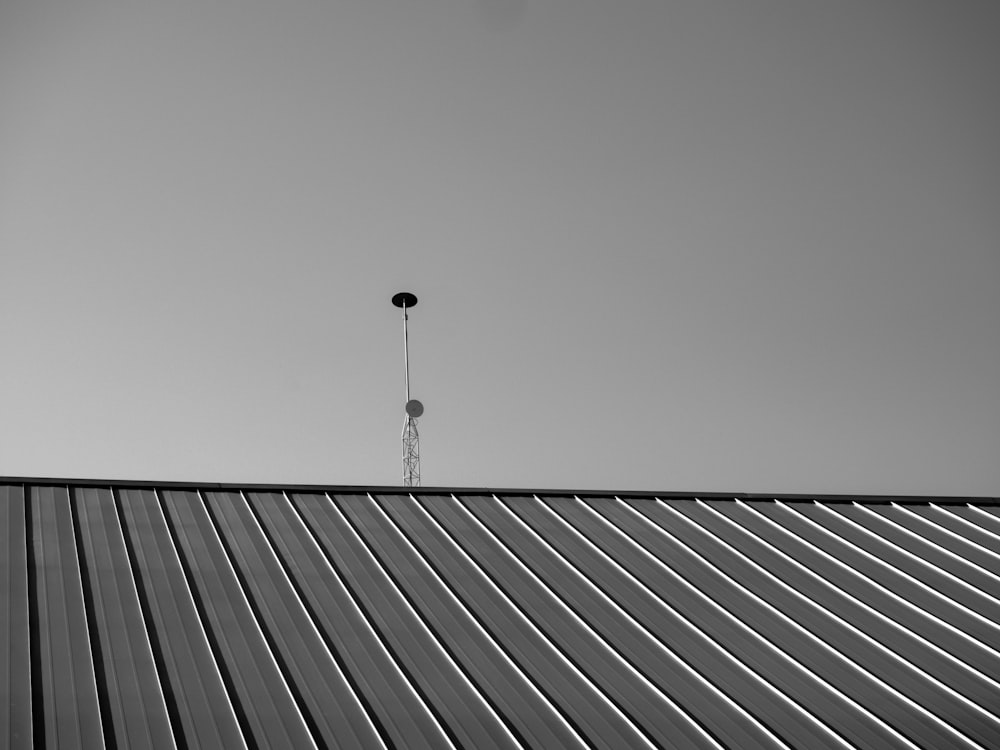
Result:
[
  {"x": 414, "y": 408},
  {"x": 404, "y": 299}
]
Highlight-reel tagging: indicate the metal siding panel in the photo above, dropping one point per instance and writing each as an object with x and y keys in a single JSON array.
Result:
[
  {"x": 814, "y": 586},
  {"x": 192, "y": 682},
  {"x": 986, "y": 517},
  {"x": 846, "y": 544},
  {"x": 880, "y": 682},
  {"x": 138, "y": 714},
  {"x": 897, "y": 549},
  {"x": 467, "y": 718},
  {"x": 515, "y": 698},
  {"x": 932, "y": 547},
  {"x": 328, "y": 703},
  {"x": 584, "y": 705},
  {"x": 15, "y": 663},
  {"x": 395, "y": 706},
  {"x": 985, "y": 544},
  {"x": 425, "y": 621},
  {"x": 855, "y": 575},
  {"x": 815, "y": 678},
  {"x": 264, "y": 704},
  {"x": 71, "y": 714},
  {"x": 918, "y": 559},
  {"x": 796, "y": 698},
  {"x": 426, "y": 602},
  {"x": 558, "y": 589}
]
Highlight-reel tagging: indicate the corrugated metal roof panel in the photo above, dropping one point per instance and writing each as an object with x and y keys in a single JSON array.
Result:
[
  {"x": 165, "y": 616},
  {"x": 15, "y": 666},
  {"x": 198, "y": 704},
  {"x": 133, "y": 696}
]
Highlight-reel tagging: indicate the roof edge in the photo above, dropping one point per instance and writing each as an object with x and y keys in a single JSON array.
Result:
[{"x": 399, "y": 490}]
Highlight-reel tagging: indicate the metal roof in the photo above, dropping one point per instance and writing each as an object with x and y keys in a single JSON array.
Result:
[{"x": 164, "y": 615}]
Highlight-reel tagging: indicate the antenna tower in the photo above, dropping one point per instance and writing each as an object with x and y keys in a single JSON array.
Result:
[{"x": 411, "y": 438}]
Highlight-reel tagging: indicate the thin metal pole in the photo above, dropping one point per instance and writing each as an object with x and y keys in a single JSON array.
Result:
[
  {"x": 411, "y": 440},
  {"x": 406, "y": 354}
]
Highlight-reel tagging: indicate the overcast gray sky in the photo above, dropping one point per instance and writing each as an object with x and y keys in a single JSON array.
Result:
[{"x": 694, "y": 245}]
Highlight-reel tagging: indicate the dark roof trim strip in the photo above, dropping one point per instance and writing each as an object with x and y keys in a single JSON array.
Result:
[{"x": 476, "y": 491}]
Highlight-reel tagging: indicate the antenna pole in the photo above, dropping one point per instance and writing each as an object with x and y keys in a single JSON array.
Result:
[
  {"x": 406, "y": 352},
  {"x": 411, "y": 439}
]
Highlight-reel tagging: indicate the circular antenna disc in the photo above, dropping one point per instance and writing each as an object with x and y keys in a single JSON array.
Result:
[
  {"x": 414, "y": 408},
  {"x": 404, "y": 299}
]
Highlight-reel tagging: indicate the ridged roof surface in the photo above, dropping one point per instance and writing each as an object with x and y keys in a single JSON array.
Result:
[{"x": 143, "y": 616}]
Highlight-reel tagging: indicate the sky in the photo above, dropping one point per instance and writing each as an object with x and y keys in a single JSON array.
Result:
[{"x": 692, "y": 245}]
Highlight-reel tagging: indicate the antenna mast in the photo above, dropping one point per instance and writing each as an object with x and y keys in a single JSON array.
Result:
[{"x": 411, "y": 439}]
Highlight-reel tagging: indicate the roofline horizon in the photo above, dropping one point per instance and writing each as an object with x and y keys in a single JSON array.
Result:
[{"x": 401, "y": 490}]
